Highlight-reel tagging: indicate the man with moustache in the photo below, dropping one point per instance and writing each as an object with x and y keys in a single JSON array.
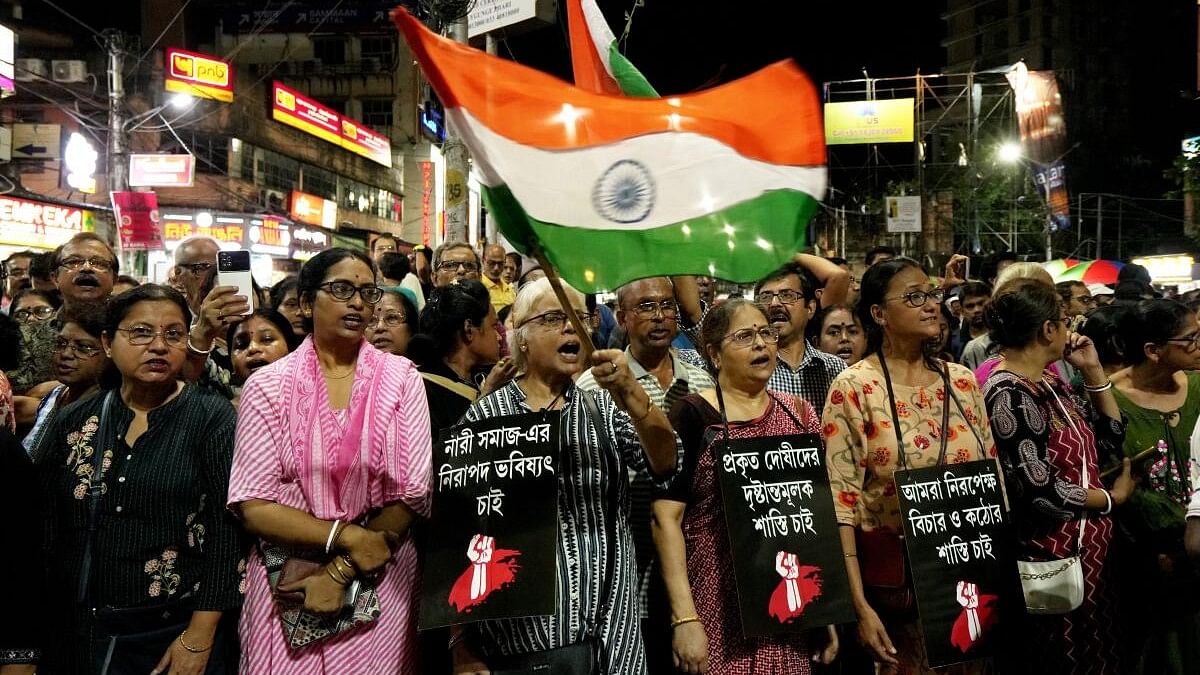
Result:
[
  {"x": 16, "y": 276},
  {"x": 83, "y": 269},
  {"x": 649, "y": 315},
  {"x": 975, "y": 296},
  {"x": 789, "y": 299}
]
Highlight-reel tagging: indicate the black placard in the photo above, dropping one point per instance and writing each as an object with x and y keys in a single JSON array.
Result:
[
  {"x": 960, "y": 550},
  {"x": 787, "y": 554},
  {"x": 493, "y": 532}
]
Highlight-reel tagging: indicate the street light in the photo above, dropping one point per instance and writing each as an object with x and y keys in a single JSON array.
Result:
[
  {"x": 1009, "y": 152},
  {"x": 181, "y": 100}
]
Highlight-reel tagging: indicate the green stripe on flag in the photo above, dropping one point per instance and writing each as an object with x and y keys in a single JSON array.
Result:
[
  {"x": 767, "y": 231},
  {"x": 628, "y": 77}
]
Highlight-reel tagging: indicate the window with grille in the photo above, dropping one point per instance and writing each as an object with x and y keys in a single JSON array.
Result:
[
  {"x": 377, "y": 112},
  {"x": 381, "y": 47},
  {"x": 330, "y": 50}
]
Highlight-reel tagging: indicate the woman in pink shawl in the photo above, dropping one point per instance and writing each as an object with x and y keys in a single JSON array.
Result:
[{"x": 332, "y": 456}]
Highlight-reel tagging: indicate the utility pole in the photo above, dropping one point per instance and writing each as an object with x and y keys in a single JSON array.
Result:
[
  {"x": 454, "y": 151},
  {"x": 118, "y": 138},
  {"x": 1099, "y": 222}
]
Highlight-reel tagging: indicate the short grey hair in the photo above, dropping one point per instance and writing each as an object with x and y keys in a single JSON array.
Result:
[
  {"x": 529, "y": 295},
  {"x": 449, "y": 246},
  {"x": 1022, "y": 270}
]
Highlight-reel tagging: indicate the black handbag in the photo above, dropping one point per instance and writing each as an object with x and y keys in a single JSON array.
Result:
[{"x": 583, "y": 657}]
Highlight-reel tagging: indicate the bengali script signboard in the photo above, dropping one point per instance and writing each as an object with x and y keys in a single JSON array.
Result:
[
  {"x": 493, "y": 535},
  {"x": 962, "y": 557},
  {"x": 787, "y": 553}
]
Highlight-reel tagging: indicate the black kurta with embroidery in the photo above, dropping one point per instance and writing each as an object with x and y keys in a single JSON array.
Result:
[{"x": 163, "y": 535}]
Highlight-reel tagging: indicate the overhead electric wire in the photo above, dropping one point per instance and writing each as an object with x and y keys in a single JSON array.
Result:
[
  {"x": 74, "y": 18},
  {"x": 160, "y": 35}
]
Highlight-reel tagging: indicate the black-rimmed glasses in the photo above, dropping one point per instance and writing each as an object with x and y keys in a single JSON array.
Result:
[
  {"x": 917, "y": 299},
  {"x": 344, "y": 290}
]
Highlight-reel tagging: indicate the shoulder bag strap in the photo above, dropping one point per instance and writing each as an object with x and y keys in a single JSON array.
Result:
[
  {"x": 103, "y": 440},
  {"x": 613, "y": 496},
  {"x": 958, "y": 404},
  {"x": 456, "y": 387}
]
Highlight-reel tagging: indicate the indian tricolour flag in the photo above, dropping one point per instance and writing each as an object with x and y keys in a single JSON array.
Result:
[
  {"x": 597, "y": 63},
  {"x": 611, "y": 188}
]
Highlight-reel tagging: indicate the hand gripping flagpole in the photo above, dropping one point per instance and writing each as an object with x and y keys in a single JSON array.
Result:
[{"x": 586, "y": 347}]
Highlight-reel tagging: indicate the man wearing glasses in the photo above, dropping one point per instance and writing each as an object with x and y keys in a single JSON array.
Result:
[
  {"x": 788, "y": 296},
  {"x": 214, "y": 309},
  {"x": 84, "y": 269},
  {"x": 502, "y": 293},
  {"x": 454, "y": 261},
  {"x": 16, "y": 276},
  {"x": 647, "y": 311}
]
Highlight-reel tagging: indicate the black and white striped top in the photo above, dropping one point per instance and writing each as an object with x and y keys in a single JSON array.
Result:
[{"x": 588, "y": 525}]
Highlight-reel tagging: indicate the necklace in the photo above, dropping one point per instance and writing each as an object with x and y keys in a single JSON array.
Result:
[{"x": 348, "y": 373}]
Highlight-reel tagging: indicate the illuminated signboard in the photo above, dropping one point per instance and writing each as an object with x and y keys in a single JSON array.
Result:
[
  {"x": 229, "y": 231},
  {"x": 198, "y": 75},
  {"x": 7, "y": 59},
  {"x": 311, "y": 209},
  {"x": 269, "y": 235},
  {"x": 297, "y": 110},
  {"x": 308, "y": 241},
  {"x": 161, "y": 170},
  {"x": 880, "y": 121},
  {"x": 38, "y": 225}
]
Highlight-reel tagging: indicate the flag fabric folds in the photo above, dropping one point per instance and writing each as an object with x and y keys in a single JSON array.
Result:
[
  {"x": 612, "y": 188},
  {"x": 598, "y": 64}
]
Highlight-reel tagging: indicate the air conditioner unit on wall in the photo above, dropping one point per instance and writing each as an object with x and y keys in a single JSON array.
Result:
[
  {"x": 67, "y": 72},
  {"x": 29, "y": 70}
]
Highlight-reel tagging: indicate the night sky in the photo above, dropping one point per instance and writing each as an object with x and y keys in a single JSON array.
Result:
[{"x": 684, "y": 46}]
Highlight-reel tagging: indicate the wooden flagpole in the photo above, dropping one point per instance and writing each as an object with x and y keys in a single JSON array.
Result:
[{"x": 586, "y": 347}]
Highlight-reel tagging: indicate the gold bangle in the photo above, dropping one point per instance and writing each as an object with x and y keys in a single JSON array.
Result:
[
  {"x": 687, "y": 619},
  {"x": 190, "y": 648},
  {"x": 337, "y": 563},
  {"x": 337, "y": 576}
]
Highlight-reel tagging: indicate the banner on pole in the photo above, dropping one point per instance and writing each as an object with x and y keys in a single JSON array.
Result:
[
  {"x": 137, "y": 220},
  {"x": 1043, "y": 137}
]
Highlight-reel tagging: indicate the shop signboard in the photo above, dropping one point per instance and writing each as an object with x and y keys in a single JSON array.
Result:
[
  {"x": 297, "y": 110},
  {"x": 308, "y": 241},
  {"x": 314, "y": 210},
  {"x": 138, "y": 220},
  {"x": 269, "y": 235},
  {"x": 228, "y": 230},
  {"x": 161, "y": 170},
  {"x": 198, "y": 75},
  {"x": 7, "y": 62},
  {"x": 31, "y": 224}
]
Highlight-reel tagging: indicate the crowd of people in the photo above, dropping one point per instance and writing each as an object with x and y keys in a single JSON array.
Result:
[{"x": 191, "y": 475}]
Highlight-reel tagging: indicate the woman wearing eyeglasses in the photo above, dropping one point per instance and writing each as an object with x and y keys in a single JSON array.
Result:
[
  {"x": 34, "y": 306},
  {"x": 897, "y": 408},
  {"x": 1051, "y": 447},
  {"x": 332, "y": 466},
  {"x": 143, "y": 561},
  {"x": 1159, "y": 395},
  {"x": 393, "y": 324},
  {"x": 689, "y": 520},
  {"x": 595, "y": 554},
  {"x": 79, "y": 362}
]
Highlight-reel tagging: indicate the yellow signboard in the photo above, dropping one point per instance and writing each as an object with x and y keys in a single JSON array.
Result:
[
  {"x": 886, "y": 121},
  {"x": 198, "y": 75}
]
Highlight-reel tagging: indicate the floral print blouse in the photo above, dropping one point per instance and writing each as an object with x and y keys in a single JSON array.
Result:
[
  {"x": 860, "y": 440},
  {"x": 163, "y": 530}
]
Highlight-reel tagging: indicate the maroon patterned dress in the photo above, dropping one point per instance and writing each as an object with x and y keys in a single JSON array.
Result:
[
  {"x": 710, "y": 566},
  {"x": 1044, "y": 436}
]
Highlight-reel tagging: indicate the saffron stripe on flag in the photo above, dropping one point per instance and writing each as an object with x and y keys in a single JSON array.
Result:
[
  {"x": 533, "y": 108},
  {"x": 720, "y": 176},
  {"x": 760, "y": 231}
]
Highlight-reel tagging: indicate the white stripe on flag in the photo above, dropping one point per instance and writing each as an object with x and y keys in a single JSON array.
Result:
[{"x": 693, "y": 175}]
